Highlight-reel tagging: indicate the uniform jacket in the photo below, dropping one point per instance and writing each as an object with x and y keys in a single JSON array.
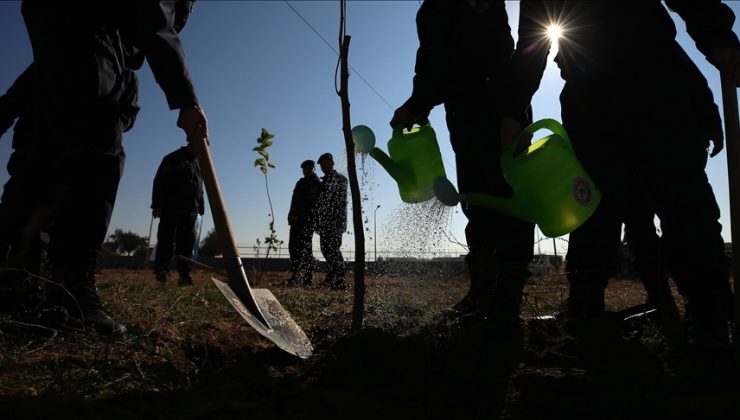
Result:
[
  {"x": 17, "y": 101},
  {"x": 178, "y": 185},
  {"x": 303, "y": 201},
  {"x": 331, "y": 206},
  {"x": 121, "y": 34},
  {"x": 463, "y": 50}
]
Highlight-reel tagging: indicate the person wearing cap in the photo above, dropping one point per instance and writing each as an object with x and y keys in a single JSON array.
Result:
[
  {"x": 331, "y": 221},
  {"x": 301, "y": 221}
]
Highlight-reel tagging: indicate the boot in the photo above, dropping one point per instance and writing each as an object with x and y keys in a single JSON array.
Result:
[
  {"x": 293, "y": 281},
  {"x": 160, "y": 275},
  {"x": 328, "y": 280},
  {"x": 586, "y": 296},
  {"x": 501, "y": 304},
  {"x": 75, "y": 293},
  {"x": 482, "y": 278},
  {"x": 306, "y": 279},
  {"x": 706, "y": 327},
  {"x": 185, "y": 280},
  {"x": 21, "y": 290}
]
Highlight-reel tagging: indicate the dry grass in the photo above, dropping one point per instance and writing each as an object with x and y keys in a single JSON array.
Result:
[{"x": 176, "y": 335}]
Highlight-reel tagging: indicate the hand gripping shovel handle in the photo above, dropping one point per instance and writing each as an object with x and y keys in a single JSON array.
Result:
[
  {"x": 732, "y": 140},
  {"x": 237, "y": 278}
]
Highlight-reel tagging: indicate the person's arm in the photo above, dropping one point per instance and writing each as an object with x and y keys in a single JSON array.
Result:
[
  {"x": 702, "y": 102},
  {"x": 17, "y": 99},
  {"x": 709, "y": 23},
  {"x": 525, "y": 68},
  {"x": 159, "y": 188},
  {"x": 129, "y": 101},
  {"x": 292, "y": 217},
  {"x": 432, "y": 64},
  {"x": 160, "y": 43}
]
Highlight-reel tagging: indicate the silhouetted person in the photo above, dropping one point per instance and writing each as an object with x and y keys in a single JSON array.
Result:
[
  {"x": 639, "y": 227},
  {"x": 301, "y": 220},
  {"x": 177, "y": 200},
  {"x": 464, "y": 48},
  {"x": 628, "y": 109},
  {"x": 19, "y": 291},
  {"x": 331, "y": 221},
  {"x": 81, "y": 54}
]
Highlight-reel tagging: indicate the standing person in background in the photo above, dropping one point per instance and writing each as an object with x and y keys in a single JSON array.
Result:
[
  {"x": 331, "y": 221},
  {"x": 464, "y": 48},
  {"x": 621, "y": 62},
  {"x": 81, "y": 53},
  {"x": 301, "y": 220},
  {"x": 177, "y": 200}
]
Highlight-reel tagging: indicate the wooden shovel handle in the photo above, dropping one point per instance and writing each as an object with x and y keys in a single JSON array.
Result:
[
  {"x": 732, "y": 142},
  {"x": 237, "y": 278}
]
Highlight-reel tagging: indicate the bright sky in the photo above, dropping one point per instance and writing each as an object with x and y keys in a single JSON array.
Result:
[{"x": 256, "y": 64}]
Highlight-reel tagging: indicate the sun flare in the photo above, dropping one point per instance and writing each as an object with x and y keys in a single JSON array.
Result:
[{"x": 554, "y": 31}]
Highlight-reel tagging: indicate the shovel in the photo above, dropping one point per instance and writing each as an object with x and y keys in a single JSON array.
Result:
[
  {"x": 732, "y": 140},
  {"x": 258, "y": 307}
]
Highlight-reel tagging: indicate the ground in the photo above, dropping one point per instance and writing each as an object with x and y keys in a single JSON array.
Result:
[{"x": 187, "y": 354}]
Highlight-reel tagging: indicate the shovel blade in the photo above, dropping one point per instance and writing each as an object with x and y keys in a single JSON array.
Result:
[{"x": 282, "y": 330}]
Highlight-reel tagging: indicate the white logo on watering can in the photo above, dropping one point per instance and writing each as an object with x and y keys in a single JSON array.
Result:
[{"x": 582, "y": 191}]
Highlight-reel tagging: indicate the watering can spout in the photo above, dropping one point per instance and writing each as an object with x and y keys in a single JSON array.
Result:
[
  {"x": 413, "y": 159},
  {"x": 394, "y": 169}
]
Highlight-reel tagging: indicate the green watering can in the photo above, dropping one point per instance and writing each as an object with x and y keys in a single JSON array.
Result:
[
  {"x": 551, "y": 188},
  {"x": 414, "y": 161}
]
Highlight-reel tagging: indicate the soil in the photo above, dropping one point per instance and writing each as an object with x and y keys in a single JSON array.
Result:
[{"x": 188, "y": 355}]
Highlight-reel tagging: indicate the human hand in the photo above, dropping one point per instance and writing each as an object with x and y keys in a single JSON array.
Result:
[
  {"x": 156, "y": 212},
  {"x": 727, "y": 60},
  {"x": 193, "y": 121},
  {"x": 510, "y": 130},
  {"x": 717, "y": 138},
  {"x": 406, "y": 119}
]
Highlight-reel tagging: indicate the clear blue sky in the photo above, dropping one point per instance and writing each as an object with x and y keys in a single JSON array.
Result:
[{"x": 257, "y": 64}]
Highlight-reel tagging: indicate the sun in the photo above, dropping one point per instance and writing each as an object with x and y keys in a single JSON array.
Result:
[{"x": 554, "y": 31}]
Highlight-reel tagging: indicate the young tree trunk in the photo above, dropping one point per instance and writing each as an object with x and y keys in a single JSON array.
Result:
[{"x": 358, "y": 308}]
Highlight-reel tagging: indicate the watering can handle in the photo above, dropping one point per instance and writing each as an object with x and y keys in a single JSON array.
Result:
[
  {"x": 398, "y": 130},
  {"x": 547, "y": 123}
]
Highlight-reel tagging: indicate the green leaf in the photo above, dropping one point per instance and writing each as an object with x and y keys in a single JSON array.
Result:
[
  {"x": 263, "y": 170},
  {"x": 270, "y": 164},
  {"x": 263, "y": 154}
]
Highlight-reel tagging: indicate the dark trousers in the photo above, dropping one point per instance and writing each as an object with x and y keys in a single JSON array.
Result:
[
  {"x": 645, "y": 138},
  {"x": 491, "y": 236},
  {"x": 300, "y": 247},
  {"x": 330, "y": 241},
  {"x": 180, "y": 232},
  {"x": 80, "y": 156}
]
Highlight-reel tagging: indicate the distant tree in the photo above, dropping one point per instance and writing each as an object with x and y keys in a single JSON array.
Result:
[
  {"x": 126, "y": 242},
  {"x": 209, "y": 245}
]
